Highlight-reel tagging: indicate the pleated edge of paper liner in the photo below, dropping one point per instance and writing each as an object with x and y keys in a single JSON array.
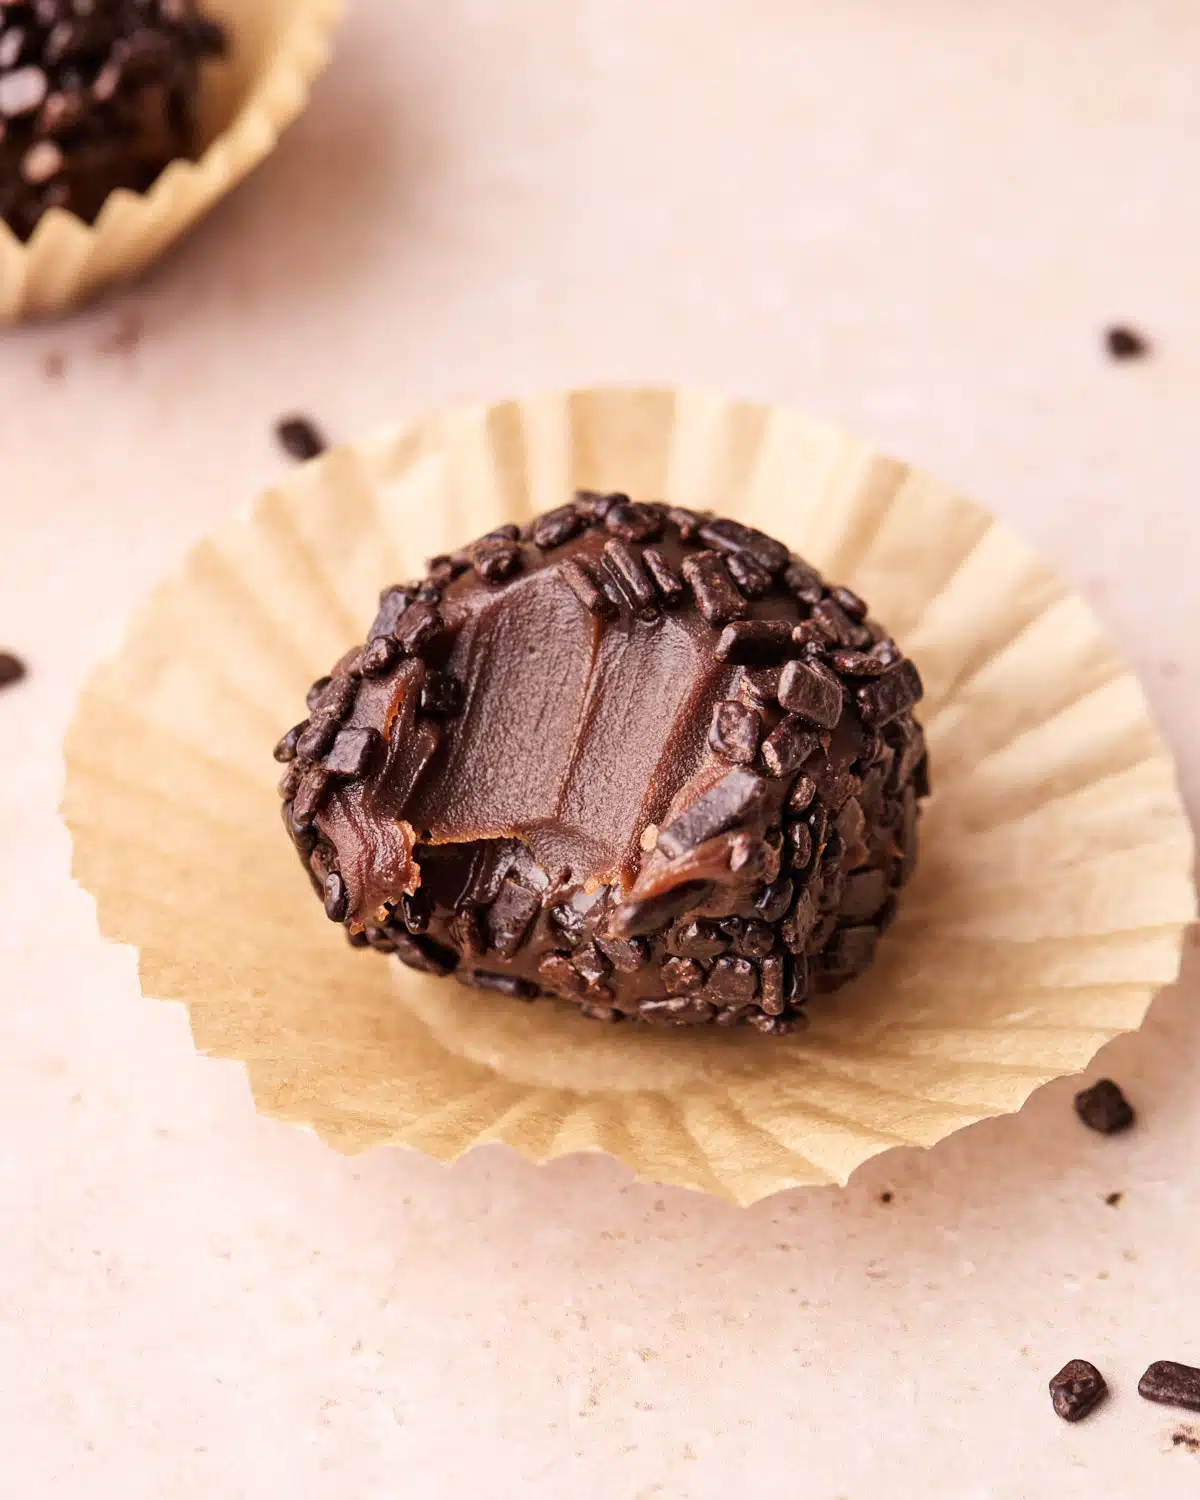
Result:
[
  {"x": 744, "y": 1188},
  {"x": 66, "y": 261}
]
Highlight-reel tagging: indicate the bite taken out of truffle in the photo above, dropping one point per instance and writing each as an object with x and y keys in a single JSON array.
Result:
[{"x": 640, "y": 758}]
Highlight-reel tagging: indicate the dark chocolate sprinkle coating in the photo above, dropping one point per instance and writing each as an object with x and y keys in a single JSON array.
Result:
[
  {"x": 95, "y": 96},
  {"x": 752, "y": 859}
]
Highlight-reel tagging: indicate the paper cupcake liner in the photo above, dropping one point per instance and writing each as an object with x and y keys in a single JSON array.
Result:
[
  {"x": 278, "y": 47},
  {"x": 1049, "y": 904}
]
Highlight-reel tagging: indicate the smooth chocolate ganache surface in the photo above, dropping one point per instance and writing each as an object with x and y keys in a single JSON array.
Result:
[{"x": 636, "y": 757}]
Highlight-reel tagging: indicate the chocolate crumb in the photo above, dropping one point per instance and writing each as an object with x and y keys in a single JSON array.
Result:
[
  {"x": 300, "y": 438},
  {"x": 1104, "y": 1107},
  {"x": 1184, "y": 1437},
  {"x": 1171, "y": 1384},
  {"x": 12, "y": 669},
  {"x": 886, "y": 1196},
  {"x": 1112, "y": 1199},
  {"x": 1124, "y": 343},
  {"x": 1077, "y": 1389}
]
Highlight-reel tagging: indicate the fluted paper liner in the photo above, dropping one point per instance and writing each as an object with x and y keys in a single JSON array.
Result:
[
  {"x": 1049, "y": 904},
  {"x": 277, "y": 49}
]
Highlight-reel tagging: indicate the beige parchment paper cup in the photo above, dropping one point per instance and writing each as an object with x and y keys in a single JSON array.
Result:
[
  {"x": 1052, "y": 892},
  {"x": 277, "y": 49}
]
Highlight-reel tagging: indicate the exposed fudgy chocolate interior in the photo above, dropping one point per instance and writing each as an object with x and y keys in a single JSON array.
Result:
[
  {"x": 94, "y": 95},
  {"x": 637, "y": 757}
]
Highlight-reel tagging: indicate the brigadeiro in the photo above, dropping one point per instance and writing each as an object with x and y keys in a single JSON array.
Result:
[
  {"x": 637, "y": 757},
  {"x": 95, "y": 95}
]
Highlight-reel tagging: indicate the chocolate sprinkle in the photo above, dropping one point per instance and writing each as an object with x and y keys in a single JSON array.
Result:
[
  {"x": 582, "y": 579},
  {"x": 682, "y": 975},
  {"x": 1171, "y": 1384},
  {"x": 1125, "y": 343},
  {"x": 352, "y": 752},
  {"x": 285, "y": 750},
  {"x": 416, "y": 627},
  {"x": 788, "y": 746},
  {"x": 300, "y": 438},
  {"x": 392, "y": 604},
  {"x": 625, "y": 564},
  {"x": 317, "y": 738},
  {"x": 666, "y": 580},
  {"x": 12, "y": 669},
  {"x": 1104, "y": 1108},
  {"x": 807, "y": 690},
  {"x": 557, "y": 526},
  {"x": 717, "y": 599},
  {"x": 732, "y": 536},
  {"x": 631, "y": 522},
  {"x": 755, "y": 643},
  {"x": 1077, "y": 1389},
  {"x": 379, "y": 656},
  {"x": 441, "y": 695},
  {"x": 509, "y": 918},
  {"x": 886, "y": 698}
]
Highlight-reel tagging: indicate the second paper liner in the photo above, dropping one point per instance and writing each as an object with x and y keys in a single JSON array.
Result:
[
  {"x": 276, "y": 49},
  {"x": 1053, "y": 885}
]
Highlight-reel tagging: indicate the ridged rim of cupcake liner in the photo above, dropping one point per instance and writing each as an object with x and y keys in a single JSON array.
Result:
[
  {"x": 66, "y": 260},
  {"x": 1051, "y": 898}
]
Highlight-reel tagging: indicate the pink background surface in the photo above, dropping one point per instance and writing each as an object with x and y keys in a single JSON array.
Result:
[{"x": 914, "y": 218}]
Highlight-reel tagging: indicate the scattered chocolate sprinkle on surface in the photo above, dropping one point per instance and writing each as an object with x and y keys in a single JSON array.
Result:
[
  {"x": 1104, "y": 1108},
  {"x": 1185, "y": 1437},
  {"x": 1123, "y": 342},
  {"x": 1171, "y": 1384},
  {"x": 300, "y": 438},
  {"x": 12, "y": 669},
  {"x": 886, "y": 1196},
  {"x": 722, "y": 884},
  {"x": 1113, "y": 1199},
  {"x": 1077, "y": 1389}
]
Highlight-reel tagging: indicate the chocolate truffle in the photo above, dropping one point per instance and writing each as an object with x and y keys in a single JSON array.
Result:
[
  {"x": 94, "y": 95},
  {"x": 636, "y": 757}
]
